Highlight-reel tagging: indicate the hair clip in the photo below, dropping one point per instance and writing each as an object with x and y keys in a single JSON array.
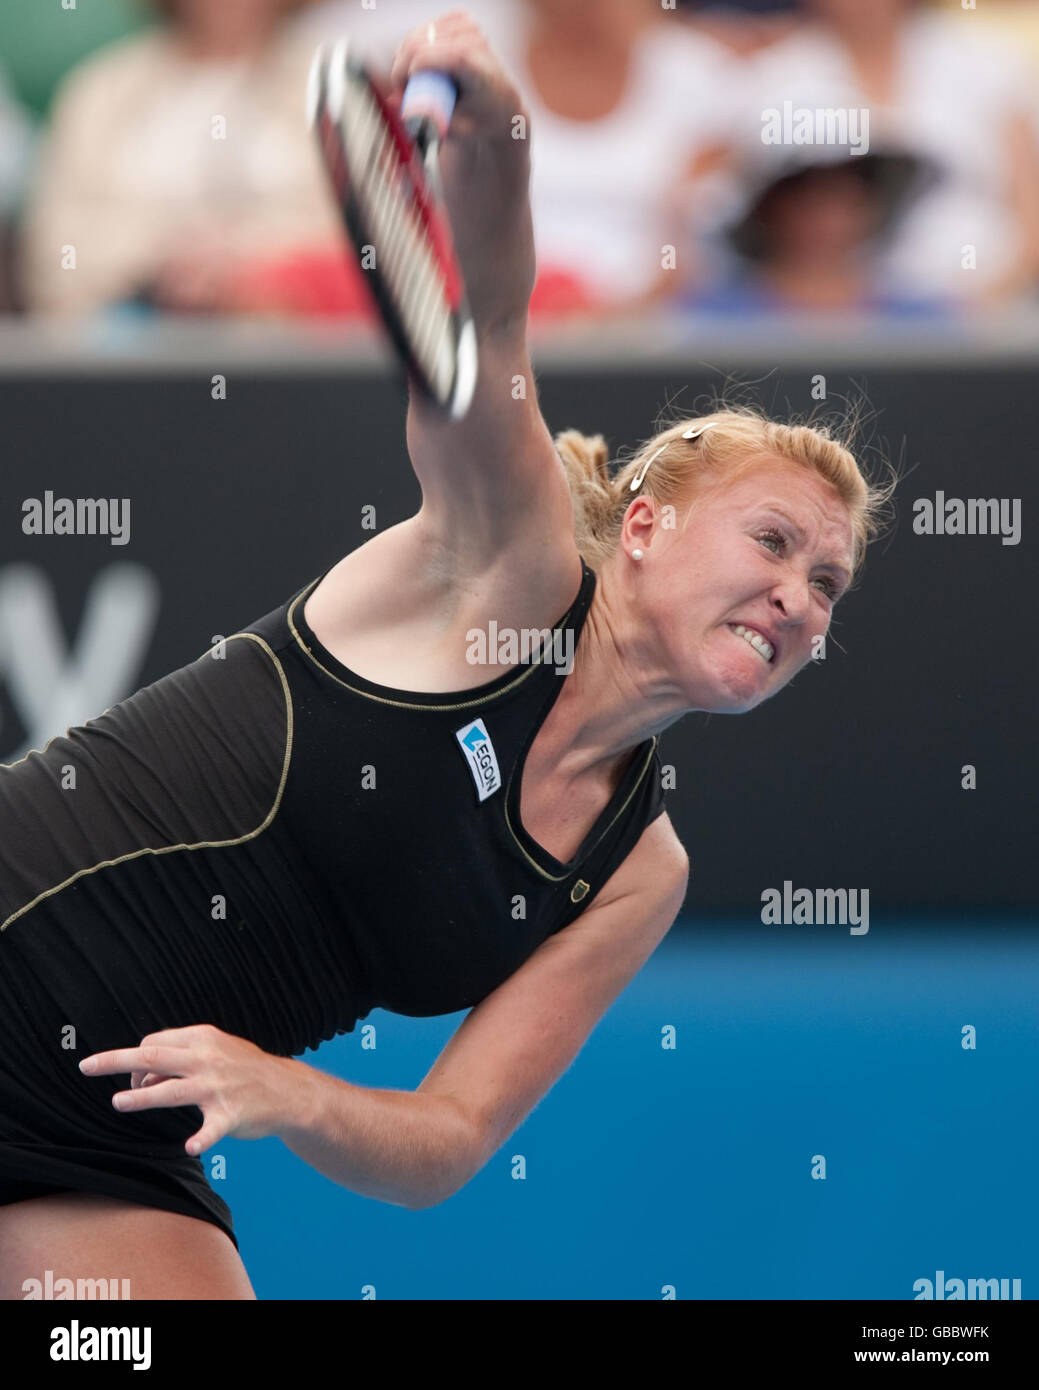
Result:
[
  {"x": 694, "y": 433},
  {"x": 640, "y": 476}
]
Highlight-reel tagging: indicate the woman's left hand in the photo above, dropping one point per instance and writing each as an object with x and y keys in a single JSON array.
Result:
[{"x": 239, "y": 1088}]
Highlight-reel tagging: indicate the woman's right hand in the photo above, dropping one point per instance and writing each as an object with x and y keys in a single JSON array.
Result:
[
  {"x": 488, "y": 99},
  {"x": 484, "y": 165}
]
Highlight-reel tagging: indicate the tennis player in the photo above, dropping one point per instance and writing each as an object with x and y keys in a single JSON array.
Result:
[{"x": 334, "y": 810}]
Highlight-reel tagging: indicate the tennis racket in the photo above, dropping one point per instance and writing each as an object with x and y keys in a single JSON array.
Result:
[{"x": 384, "y": 172}]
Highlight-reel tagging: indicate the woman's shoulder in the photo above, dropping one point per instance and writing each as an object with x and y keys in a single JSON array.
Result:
[
  {"x": 950, "y": 57},
  {"x": 679, "y": 54},
  {"x": 806, "y": 44},
  {"x": 102, "y": 74},
  {"x": 686, "y": 78}
]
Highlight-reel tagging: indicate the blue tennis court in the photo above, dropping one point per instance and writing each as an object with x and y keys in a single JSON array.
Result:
[{"x": 652, "y": 1167}]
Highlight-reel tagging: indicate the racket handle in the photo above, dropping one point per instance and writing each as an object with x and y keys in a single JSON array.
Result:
[{"x": 427, "y": 104}]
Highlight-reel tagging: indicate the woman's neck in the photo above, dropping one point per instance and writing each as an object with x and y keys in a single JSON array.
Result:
[
  {"x": 579, "y": 77},
  {"x": 613, "y": 31},
  {"x": 217, "y": 45},
  {"x": 871, "y": 43},
  {"x": 614, "y": 698},
  {"x": 813, "y": 287}
]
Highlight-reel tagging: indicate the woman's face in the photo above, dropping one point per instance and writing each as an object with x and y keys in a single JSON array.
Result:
[
  {"x": 820, "y": 219},
  {"x": 765, "y": 552},
  {"x": 854, "y": 11},
  {"x": 594, "y": 15},
  {"x": 231, "y": 16}
]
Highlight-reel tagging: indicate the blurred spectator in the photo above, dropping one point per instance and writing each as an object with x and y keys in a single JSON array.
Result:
[
  {"x": 628, "y": 107},
  {"x": 176, "y": 161},
  {"x": 16, "y": 143},
  {"x": 809, "y": 237},
  {"x": 937, "y": 85}
]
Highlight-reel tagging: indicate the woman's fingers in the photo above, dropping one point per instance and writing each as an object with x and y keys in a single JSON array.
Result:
[
  {"x": 168, "y": 1091},
  {"x": 424, "y": 38},
  {"x": 211, "y": 1133},
  {"x": 167, "y": 1052},
  {"x": 487, "y": 99},
  {"x": 150, "y": 1056},
  {"x": 161, "y": 1092},
  {"x": 237, "y": 1086}
]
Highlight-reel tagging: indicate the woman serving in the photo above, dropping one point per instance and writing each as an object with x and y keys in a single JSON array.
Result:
[{"x": 326, "y": 814}]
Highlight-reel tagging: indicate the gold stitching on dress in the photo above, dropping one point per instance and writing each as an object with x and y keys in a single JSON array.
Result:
[
  {"x": 558, "y": 878},
  {"x": 204, "y": 844},
  {"x": 414, "y": 704},
  {"x": 53, "y": 737}
]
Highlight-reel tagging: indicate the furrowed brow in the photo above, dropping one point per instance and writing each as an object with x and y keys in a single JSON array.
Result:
[{"x": 833, "y": 565}]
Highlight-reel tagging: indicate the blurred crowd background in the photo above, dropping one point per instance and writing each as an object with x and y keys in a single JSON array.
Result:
[{"x": 155, "y": 157}]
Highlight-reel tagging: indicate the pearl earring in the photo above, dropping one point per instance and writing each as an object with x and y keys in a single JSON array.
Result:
[{"x": 636, "y": 554}]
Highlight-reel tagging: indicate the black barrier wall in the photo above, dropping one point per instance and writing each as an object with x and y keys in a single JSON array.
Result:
[{"x": 856, "y": 776}]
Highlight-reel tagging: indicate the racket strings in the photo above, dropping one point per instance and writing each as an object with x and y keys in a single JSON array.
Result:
[{"x": 405, "y": 255}]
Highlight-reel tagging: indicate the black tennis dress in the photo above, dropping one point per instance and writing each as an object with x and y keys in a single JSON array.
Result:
[{"x": 265, "y": 841}]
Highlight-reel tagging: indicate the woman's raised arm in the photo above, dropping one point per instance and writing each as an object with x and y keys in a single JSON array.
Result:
[{"x": 493, "y": 478}]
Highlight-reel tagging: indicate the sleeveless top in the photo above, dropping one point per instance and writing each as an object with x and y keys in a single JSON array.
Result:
[{"x": 265, "y": 841}]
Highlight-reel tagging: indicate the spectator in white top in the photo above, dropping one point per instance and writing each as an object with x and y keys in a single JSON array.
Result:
[
  {"x": 628, "y": 106},
  {"x": 944, "y": 89},
  {"x": 176, "y": 158}
]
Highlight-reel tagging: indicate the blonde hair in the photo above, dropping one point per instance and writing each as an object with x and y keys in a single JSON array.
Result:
[{"x": 685, "y": 470}]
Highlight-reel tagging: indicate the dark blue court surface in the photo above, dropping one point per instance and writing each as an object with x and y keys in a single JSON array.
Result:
[{"x": 691, "y": 1166}]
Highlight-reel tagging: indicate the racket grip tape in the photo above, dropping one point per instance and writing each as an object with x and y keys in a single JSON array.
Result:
[{"x": 428, "y": 96}]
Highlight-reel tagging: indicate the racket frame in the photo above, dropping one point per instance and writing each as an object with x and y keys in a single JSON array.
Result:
[{"x": 332, "y": 67}]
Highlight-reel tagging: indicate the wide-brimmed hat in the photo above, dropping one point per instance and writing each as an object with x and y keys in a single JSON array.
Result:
[{"x": 896, "y": 177}]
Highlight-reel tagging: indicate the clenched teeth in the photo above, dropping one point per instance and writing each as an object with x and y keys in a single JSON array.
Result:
[{"x": 755, "y": 639}]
